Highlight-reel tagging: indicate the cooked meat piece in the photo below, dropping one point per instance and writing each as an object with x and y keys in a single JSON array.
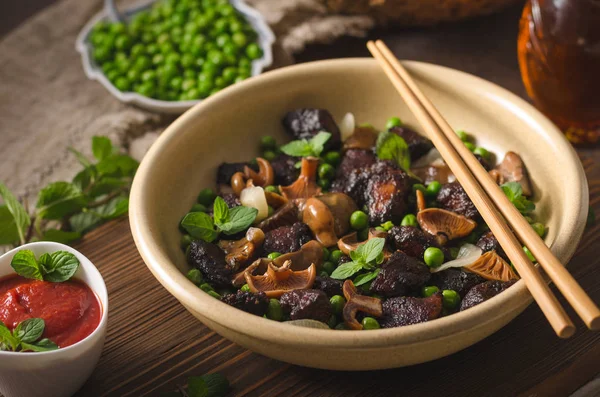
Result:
[
  {"x": 355, "y": 159},
  {"x": 286, "y": 239},
  {"x": 353, "y": 184},
  {"x": 284, "y": 168},
  {"x": 452, "y": 197},
  {"x": 418, "y": 145},
  {"x": 484, "y": 291},
  {"x": 344, "y": 259},
  {"x": 430, "y": 173},
  {"x": 456, "y": 279},
  {"x": 488, "y": 242},
  {"x": 226, "y": 171},
  {"x": 328, "y": 285},
  {"x": 387, "y": 193},
  {"x": 306, "y": 123},
  {"x": 248, "y": 302},
  {"x": 210, "y": 260},
  {"x": 306, "y": 304},
  {"x": 405, "y": 310},
  {"x": 231, "y": 199},
  {"x": 413, "y": 241},
  {"x": 400, "y": 275}
]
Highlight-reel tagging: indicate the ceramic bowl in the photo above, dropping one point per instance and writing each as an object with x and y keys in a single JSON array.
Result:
[
  {"x": 265, "y": 35},
  {"x": 59, "y": 372},
  {"x": 227, "y": 127}
]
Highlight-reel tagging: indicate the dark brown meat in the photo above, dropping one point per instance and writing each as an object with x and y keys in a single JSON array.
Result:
[
  {"x": 353, "y": 184},
  {"x": 387, "y": 192},
  {"x": 455, "y": 279},
  {"x": 328, "y": 285},
  {"x": 226, "y": 171},
  {"x": 284, "y": 168},
  {"x": 418, "y": 145},
  {"x": 247, "y": 301},
  {"x": 413, "y": 241},
  {"x": 306, "y": 304},
  {"x": 287, "y": 239},
  {"x": 430, "y": 173},
  {"x": 488, "y": 242},
  {"x": 355, "y": 159},
  {"x": 231, "y": 199},
  {"x": 306, "y": 123},
  {"x": 210, "y": 260},
  {"x": 482, "y": 292},
  {"x": 403, "y": 310},
  {"x": 452, "y": 197},
  {"x": 400, "y": 275}
]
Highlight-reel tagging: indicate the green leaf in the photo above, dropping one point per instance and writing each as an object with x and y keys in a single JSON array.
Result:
[
  {"x": 117, "y": 165},
  {"x": 113, "y": 209},
  {"x": 9, "y": 234},
  {"x": 317, "y": 143},
  {"x": 84, "y": 221},
  {"x": 107, "y": 185},
  {"x": 21, "y": 218},
  {"x": 514, "y": 193},
  {"x": 200, "y": 225},
  {"x": 30, "y": 330},
  {"x": 300, "y": 148},
  {"x": 80, "y": 157},
  {"x": 197, "y": 387},
  {"x": 239, "y": 219},
  {"x": 392, "y": 147},
  {"x": 59, "y": 199},
  {"x": 60, "y": 236},
  {"x": 217, "y": 385},
  {"x": 371, "y": 250},
  {"x": 61, "y": 266},
  {"x": 346, "y": 270},
  {"x": 7, "y": 338},
  {"x": 220, "y": 211},
  {"x": 101, "y": 147},
  {"x": 44, "y": 345},
  {"x": 366, "y": 277},
  {"x": 84, "y": 178},
  {"x": 25, "y": 264}
]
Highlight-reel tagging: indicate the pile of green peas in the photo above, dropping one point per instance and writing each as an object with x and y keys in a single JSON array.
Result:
[{"x": 177, "y": 49}]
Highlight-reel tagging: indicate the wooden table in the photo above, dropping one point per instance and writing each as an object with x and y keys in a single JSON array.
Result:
[{"x": 154, "y": 344}]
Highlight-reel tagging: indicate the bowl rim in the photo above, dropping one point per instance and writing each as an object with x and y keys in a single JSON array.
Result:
[
  {"x": 515, "y": 298},
  {"x": 266, "y": 38},
  {"x": 101, "y": 294}
]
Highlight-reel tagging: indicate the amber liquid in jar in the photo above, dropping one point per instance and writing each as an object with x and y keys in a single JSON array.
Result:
[{"x": 559, "y": 57}]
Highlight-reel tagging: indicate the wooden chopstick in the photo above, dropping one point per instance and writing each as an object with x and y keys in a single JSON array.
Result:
[
  {"x": 567, "y": 285},
  {"x": 557, "y": 317}
]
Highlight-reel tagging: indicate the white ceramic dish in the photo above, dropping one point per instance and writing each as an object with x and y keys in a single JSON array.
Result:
[
  {"x": 59, "y": 372},
  {"x": 266, "y": 38}
]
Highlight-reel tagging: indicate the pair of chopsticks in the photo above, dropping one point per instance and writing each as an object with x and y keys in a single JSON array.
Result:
[{"x": 494, "y": 206}]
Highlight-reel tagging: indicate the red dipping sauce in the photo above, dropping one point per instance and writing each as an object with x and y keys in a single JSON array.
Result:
[{"x": 70, "y": 309}]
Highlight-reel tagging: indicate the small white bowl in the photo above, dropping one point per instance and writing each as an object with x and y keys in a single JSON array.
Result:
[
  {"x": 59, "y": 372},
  {"x": 266, "y": 38}
]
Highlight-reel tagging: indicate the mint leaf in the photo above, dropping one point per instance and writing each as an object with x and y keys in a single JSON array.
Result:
[
  {"x": 346, "y": 270},
  {"x": 220, "y": 211},
  {"x": 392, "y": 147},
  {"x": 9, "y": 233},
  {"x": 25, "y": 264},
  {"x": 366, "y": 277},
  {"x": 300, "y": 148},
  {"x": 514, "y": 193},
  {"x": 80, "y": 157},
  {"x": 239, "y": 219},
  {"x": 217, "y": 385},
  {"x": 317, "y": 143},
  {"x": 7, "y": 338},
  {"x": 44, "y": 345},
  {"x": 84, "y": 178},
  {"x": 60, "y": 236},
  {"x": 113, "y": 209},
  {"x": 107, "y": 185},
  {"x": 84, "y": 221},
  {"x": 200, "y": 225},
  {"x": 197, "y": 387},
  {"x": 371, "y": 250},
  {"x": 29, "y": 330},
  {"x": 58, "y": 200},
  {"x": 117, "y": 165},
  {"x": 60, "y": 266},
  {"x": 22, "y": 219},
  {"x": 101, "y": 147}
]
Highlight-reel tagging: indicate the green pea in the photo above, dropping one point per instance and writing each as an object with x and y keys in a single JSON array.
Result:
[
  {"x": 101, "y": 54},
  {"x": 337, "y": 304},
  {"x": 198, "y": 208},
  {"x": 328, "y": 267},
  {"x": 268, "y": 142},
  {"x": 158, "y": 59},
  {"x": 369, "y": 323},
  {"x": 206, "y": 197},
  {"x": 253, "y": 51},
  {"x": 335, "y": 256},
  {"x": 274, "y": 310},
  {"x": 214, "y": 294},
  {"x": 359, "y": 220},
  {"x": 214, "y": 91},
  {"x": 185, "y": 241},
  {"x": 239, "y": 39},
  {"x": 482, "y": 152},
  {"x": 206, "y": 287},
  {"x": 326, "y": 253},
  {"x": 463, "y": 136},
  {"x": 363, "y": 234},
  {"x": 332, "y": 322},
  {"x": 137, "y": 50},
  {"x": 528, "y": 219},
  {"x": 188, "y": 84},
  {"x": 433, "y": 188},
  {"x": 123, "y": 84},
  {"x": 419, "y": 186},
  {"x": 195, "y": 276},
  {"x": 450, "y": 299},
  {"x": 326, "y": 171},
  {"x": 428, "y": 291},
  {"x": 470, "y": 146},
  {"x": 539, "y": 228},
  {"x": 274, "y": 255},
  {"x": 149, "y": 75},
  {"x": 133, "y": 75},
  {"x": 118, "y": 28},
  {"x": 222, "y": 40},
  {"x": 113, "y": 75},
  {"x": 204, "y": 88},
  {"x": 341, "y": 327},
  {"x": 332, "y": 158},
  {"x": 245, "y": 288},
  {"x": 269, "y": 155},
  {"x": 387, "y": 226},
  {"x": 325, "y": 184},
  {"x": 393, "y": 122},
  {"x": 229, "y": 74},
  {"x": 270, "y": 210},
  {"x": 433, "y": 257},
  {"x": 123, "y": 42},
  {"x": 529, "y": 254},
  {"x": 409, "y": 220},
  {"x": 238, "y": 79},
  {"x": 323, "y": 274},
  {"x": 176, "y": 83}
]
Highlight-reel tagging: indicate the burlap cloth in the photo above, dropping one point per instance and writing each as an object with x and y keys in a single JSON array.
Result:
[{"x": 48, "y": 104}]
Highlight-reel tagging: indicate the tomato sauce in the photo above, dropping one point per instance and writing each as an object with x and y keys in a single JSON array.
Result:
[{"x": 70, "y": 309}]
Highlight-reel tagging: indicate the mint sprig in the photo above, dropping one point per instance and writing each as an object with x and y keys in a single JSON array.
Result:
[
  {"x": 25, "y": 337},
  {"x": 514, "y": 193},
  {"x": 306, "y": 148},
  {"x": 56, "y": 267},
  {"x": 209, "y": 385},
  {"x": 392, "y": 147},
  {"x": 366, "y": 257}
]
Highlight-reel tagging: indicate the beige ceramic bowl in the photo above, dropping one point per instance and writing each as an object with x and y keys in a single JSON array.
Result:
[{"x": 227, "y": 127}]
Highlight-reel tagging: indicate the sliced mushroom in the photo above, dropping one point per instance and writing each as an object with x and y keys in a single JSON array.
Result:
[
  {"x": 284, "y": 216},
  {"x": 341, "y": 206},
  {"x": 265, "y": 174},
  {"x": 512, "y": 169},
  {"x": 443, "y": 224},
  {"x": 350, "y": 242},
  {"x": 320, "y": 220},
  {"x": 238, "y": 183},
  {"x": 275, "y": 200},
  {"x": 358, "y": 303},
  {"x": 364, "y": 137},
  {"x": 238, "y": 253},
  {"x": 278, "y": 280},
  {"x": 306, "y": 184},
  {"x": 491, "y": 266}
]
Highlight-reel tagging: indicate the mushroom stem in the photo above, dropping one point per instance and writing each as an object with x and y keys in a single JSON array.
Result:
[
  {"x": 355, "y": 303},
  {"x": 306, "y": 184},
  {"x": 265, "y": 175}
]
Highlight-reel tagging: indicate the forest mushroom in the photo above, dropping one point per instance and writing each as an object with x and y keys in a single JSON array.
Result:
[
  {"x": 443, "y": 224},
  {"x": 284, "y": 216},
  {"x": 350, "y": 241},
  {"x": 275, "y": 200},
  {"x": 238, "y": 183},
  {"x": 341, "y": 206},
  {"x": 358, "y": 303},
  {"x": 306, "y": 184},
  {"x": 320, "y": 220},
  {"x": 238, "y": 253},
  {"x": 363, "y": 138},
  {"x": 278, "y": 280},
  {"x": 512, "y": 169},
  {"x": 491, "y": 266},
  {"x": 265, "y": 174}
]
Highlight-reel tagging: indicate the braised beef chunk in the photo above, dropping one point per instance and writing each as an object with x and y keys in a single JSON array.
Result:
[
  {"x": 488, "y": 242},
  {"x": 306, "y": 304},
  {"x": 413, "y": 241},
  {"x": 405, "y": 310},
  {"x": 231, "y": 200},
  {"x": 387, "y": 193},
  {"x": 210, "y": 260},
  {"x": 353, "y": 184},
  {"x": 482, "y": 292},
  {"x": 455, "y": 279},
  {"x": 306, "y": 123},
  {"x": 226, "y": 171},
  {"x": 418, "y": 145},
  {"x": 248, "y": 302},
  {"x": 400, "y": 275},
  {"x": 287, "y": 239},
  {"x": 328, "y": 285},
  {"x": 452, "y": 197},
  {"x": 284, "y": 168},
  {"x": 355, "y": 159}
]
